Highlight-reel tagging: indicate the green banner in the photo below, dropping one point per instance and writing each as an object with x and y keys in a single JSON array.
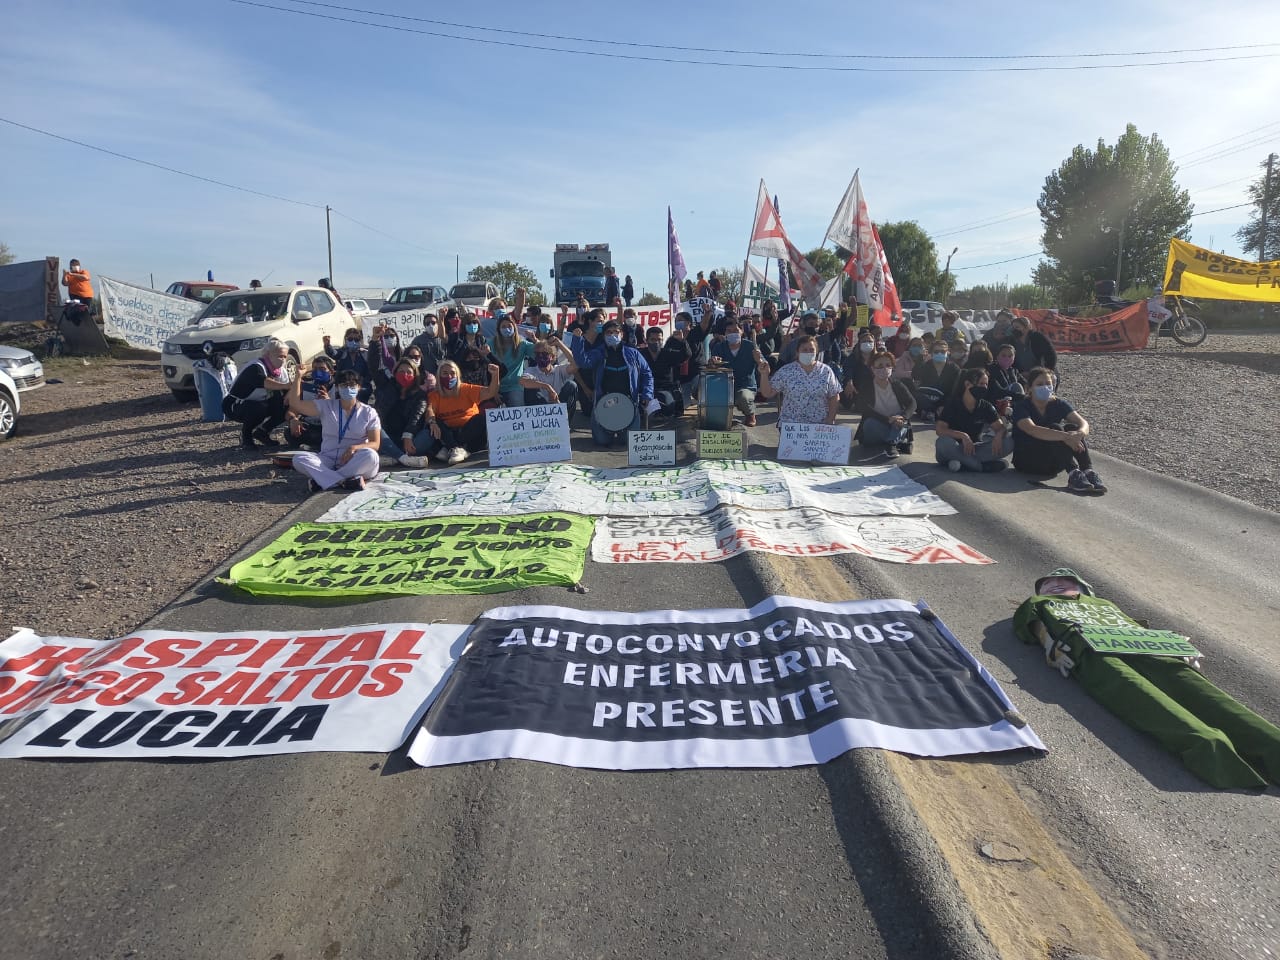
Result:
[
  {"x": 1137, "y": 642},
  {"x": 440, "y": 555}
]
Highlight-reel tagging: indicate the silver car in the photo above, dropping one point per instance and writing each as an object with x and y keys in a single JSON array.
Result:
[{"x": 27, "y": 372}]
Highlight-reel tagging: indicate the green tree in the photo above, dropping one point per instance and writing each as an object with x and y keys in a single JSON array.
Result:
[
  {"x": 1115, "y": 202},
  {"x": 826, "y": 262},
  {"x": 6, "y": 255},
  {"x": 730, "y": 283},
  {"x": 1265, "y": 195},
  {"x": 913, "y": 259},
  {"x": 649, "y": 300},
  {"x": 506, "y": 276}
]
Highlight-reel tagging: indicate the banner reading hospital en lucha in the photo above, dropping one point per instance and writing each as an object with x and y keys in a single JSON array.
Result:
[
  {"x": 1192, "y": 271},
  {"x": 785, "y": 683},
  {"x": 165, "y": 693}
]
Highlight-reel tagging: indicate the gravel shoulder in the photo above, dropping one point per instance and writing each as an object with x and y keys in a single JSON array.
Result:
[{"x": 117, "y": 499}]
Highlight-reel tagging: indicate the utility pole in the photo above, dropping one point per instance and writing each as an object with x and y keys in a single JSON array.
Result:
[
  {"x": 1266, "y": 202},
  {"x": 1120, "y": 253},
  {"x": 946, "y": 274},
  {"x": 328, "y": 232}
]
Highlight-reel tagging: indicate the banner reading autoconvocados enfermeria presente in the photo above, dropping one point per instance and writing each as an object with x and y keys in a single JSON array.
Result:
[
  {"x": 170, "y": 693},
  {"x": 787, "y": 682}
]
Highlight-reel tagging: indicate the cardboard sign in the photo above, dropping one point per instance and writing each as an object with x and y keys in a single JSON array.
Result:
[
  {"x": 815, "y": 442},
  {"x": 651, "y": 448},
  {"x": 535, "y": 434},
  {"x": 1137, "y": 642},
  {"x": 721, "y": 444}
]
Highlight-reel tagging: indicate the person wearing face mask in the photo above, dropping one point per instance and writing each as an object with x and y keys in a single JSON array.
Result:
[
  {"x": 886, "y": 406},
  {"x": 1050, "y": 436},
  {"x": 405, "y": 438},
  {"x": 739, "y": 355},
  {"x": 1032, "y": 347},
  {"x": 632, "y": 333},
  {"x": 971, "y": 433},
  {"x": 1000, "y": 332},
  {"x": 512, "y": 352},
  {"x": 856, "y": 369},
  {"x": 454, "y": 417},
  {"x": 900, "y": 341},
  {"x": 829, "y": 351},
  {"x": 1006, "y": 383},
  {"x": 467, "y": 337},
  {"x": 809, "y": 388},
  {"x": 550, "y": 379},
  {"x": 351, "y": 434},
  {"x": 958, "y": 351},
  {"x": 256, "y": 398},
  {"x": 614, "y": 368},
  {"x": 384, "y": 354},
  {"x": 1216, "y": 737},
  {"x": 666, "y": 358},
  {"x": 907, "y": 360},
  {"x": 429, "y": 344},
  {"x": 352, "y": 356},
  {"x": 979, "y": 356},
  {"x": 935, "y": 378},
  {"x": 695, "y": 335},
  {"x": 306, "y": 431}
]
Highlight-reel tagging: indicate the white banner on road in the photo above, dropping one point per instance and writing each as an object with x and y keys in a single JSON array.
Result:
[
  {"x": 815, "y": 442},
  {"x": 165, "y": 693},
  {"x": 678, "y": 491},
  {"x": 533, "y": 434},
  {"x": 785, "y": 683},
  {"x": 142, "y": 317},
  {"x": 803, "y": 532}
]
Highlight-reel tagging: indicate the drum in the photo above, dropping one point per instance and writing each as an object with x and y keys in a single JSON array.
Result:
[
  {"x": 614, "y": 411},
  {"x": 715, "y": 400}
]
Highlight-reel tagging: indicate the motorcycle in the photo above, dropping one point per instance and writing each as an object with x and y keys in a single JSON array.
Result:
[{"x": 1183, "y": 322}]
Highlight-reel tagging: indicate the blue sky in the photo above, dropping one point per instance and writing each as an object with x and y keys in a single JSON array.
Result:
[{"x": 488, "y": 152}]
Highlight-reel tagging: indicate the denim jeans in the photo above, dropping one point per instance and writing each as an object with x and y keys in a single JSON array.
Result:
[
  {"x": 876, "y": 433},
  {"x": 424, "y": 445}
]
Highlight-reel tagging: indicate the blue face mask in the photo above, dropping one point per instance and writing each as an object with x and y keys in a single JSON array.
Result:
[
  {"x": 499, "y": 314},
  {"x": 353, "y": 344},
  {"x": 1042, "y": 392},
  {"x": 733, "y": 339},
  {"x": 940, "y": 357},
  {"x": 680, "y": 324},
  {"x": 473, "y": 328},
  {"x": 917, "y": 351},
  {"x": 599, "y": 327},
  {"x": 321, "y": 376},
  {"x": 544, "y": 328},
  {"x": 348, "y": 392},
  {"x": 612, "y": 339}
]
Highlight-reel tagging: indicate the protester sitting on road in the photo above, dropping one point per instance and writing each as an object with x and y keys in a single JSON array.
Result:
[
  {"x": 809, "y": 388},
  {"x": 512, "y": 351},
  {"x": 1050, "y": 436},
  {"x": 935, "y": 377},
  {"x": 614, "y": 368},
  {"x": 306, "y": 431},
  {"x": 404, "y": 437},
  {"x": 958, "y": 351},
  {"x": 971, "y": 433},
  {"x": 453, "y": 413},
  {"x": 1006, "y": 383},
  {"x": 1001, "y": 331},
  {"x": 550, "y": 379},
  {"x": 899, "y": 343},
  {"x": 467, "y": 336},
  {"x": 740, "y": 355},
  {"x": 351, "y": 356},
  {"x": 886, "y": 406},
  {"x": 855, "y": 374},
  {"x": 351, "y": 435},
  {"x": 979, "y": 356},
  {"x": 1032, "y": 347},
  {"x": 474, "y": 367},
  {"x": 666, "y": 360},
  {"x": 256, "y": 398},
  {"x": 908, "y": 359},
  {"x": 429, "y": 344}
]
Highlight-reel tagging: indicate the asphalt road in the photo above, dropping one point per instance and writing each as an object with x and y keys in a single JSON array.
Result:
[{"x": 359, "y": 855}]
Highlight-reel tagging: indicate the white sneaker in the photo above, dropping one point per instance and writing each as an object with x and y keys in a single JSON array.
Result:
[
  {"x": 457, "y": 455},
  {"x": 954, "y": 466},
  {"x": 443, "y": 454},
  {"x": 415, "y": 463}
]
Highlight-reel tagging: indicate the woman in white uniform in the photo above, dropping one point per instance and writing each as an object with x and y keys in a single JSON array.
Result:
[{"x": 351, "y": 434}]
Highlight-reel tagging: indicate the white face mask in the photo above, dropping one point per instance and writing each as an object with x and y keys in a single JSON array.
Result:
[{"x": 807, "y": 359}]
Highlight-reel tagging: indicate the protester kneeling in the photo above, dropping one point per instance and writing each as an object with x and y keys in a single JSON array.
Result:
[
  {"x": 886, "y": 406},
  {"x": 351, "y": 433},
  {"x": 971, "y": 433},
  {"x": 453, "y": 413},
  {"x": 256, "y": 398}
]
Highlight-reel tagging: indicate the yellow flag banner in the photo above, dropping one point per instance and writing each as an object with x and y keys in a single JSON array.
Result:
[{"x": 1194, "y": 272}]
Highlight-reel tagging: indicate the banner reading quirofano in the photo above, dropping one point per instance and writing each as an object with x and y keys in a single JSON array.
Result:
[
  {"x": 441, "y": 556},
  {"x": 167, "y": 693},
  {"x": 803, "y": 532},
  {"x": 787, "y": 682},
  {"x": 142, "y": 317}
]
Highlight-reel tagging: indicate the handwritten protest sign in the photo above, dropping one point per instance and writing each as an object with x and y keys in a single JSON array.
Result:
[
  {"x": 651, "y": 448},
  {"x": 721, "y": 444},
  {"x": 815, "y": 442},
  {"x": 534, "y": 434}
]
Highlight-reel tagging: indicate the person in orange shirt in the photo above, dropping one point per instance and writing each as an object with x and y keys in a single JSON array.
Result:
[
  {"x": 77, "y": 281},
  {"x": 453, "y": 412}
]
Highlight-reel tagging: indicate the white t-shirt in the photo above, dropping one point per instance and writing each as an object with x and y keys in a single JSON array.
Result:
[{"x": 557, "y": 376}]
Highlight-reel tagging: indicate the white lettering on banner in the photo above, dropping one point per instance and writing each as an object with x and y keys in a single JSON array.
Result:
[
  {"x": 595, "y": 491},
  {"x": 787, "y": 682},
  {"x": 803, "y": 532},
  {"x": 651, "y": 448},
  {"x": 141, "y": 317},
  {"x": 815, "y": 442},
  {"x": 167, "y": 693},
  {"x": 534, "y": 434}
]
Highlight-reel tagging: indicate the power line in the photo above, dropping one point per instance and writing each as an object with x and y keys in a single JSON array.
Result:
[
  {"x": 1201, "y": 213},
  {"x": 983, "y": 224},
  {"x": 383, "y": 233},
  {"x": 1262, "y": 141},
  {"x": 1238, "y": 136},
  {"x": 979, "y": 266},
  {"x": 747, "y": 66},
  {"x": 774, "y": 53},
  {"x": 160, "y": 166}
]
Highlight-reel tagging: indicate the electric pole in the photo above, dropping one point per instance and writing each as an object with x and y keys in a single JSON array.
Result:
[
  {"x": 328, "y": 232},
  {"x": 1266, "y": 202}
]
